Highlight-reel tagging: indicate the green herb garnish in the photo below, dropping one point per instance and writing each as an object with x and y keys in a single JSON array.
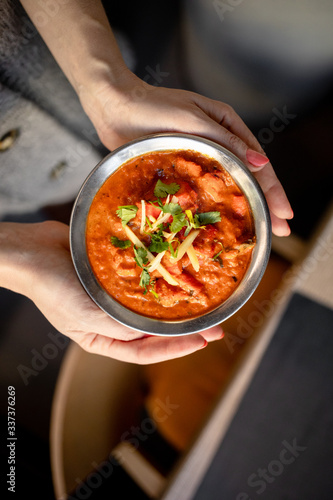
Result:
[
  {"x": 120, "y": 243},
  {"x": 145, "y": 280},
  {"x": 178, "y": 222},
  {"x": 157, "y": 244},
  {"x": 217, "y": 255},
  {"x": 172, "y": 251},
  {"x": 126, "y": 213},
  {"x": 207, "y": 218},
  {"x": 162, "y": 190},
  {"x": 172, "y": 208},
  {"x": 152, "y": 289},
  {"x": 148, "y": 223},
  {"x": 141, "y": 258}
]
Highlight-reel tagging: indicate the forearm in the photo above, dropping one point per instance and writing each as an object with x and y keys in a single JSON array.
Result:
[
  {"x": 81, "y": 40},
  {"x": 122, "y": 107}
]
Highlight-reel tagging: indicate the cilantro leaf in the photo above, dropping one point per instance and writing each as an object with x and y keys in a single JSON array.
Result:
[
  {"x": 126, "y": 213},
  {"x": 120, "y": 243},
  {"x": 161, "y": 190},
  {"x": 207, "y": 218},
  {"x": 157, "y": 244},
  {"x": 140, "y": 256},
  {"x": 144, "y": 280},
  {"x": 172, "y": 208},
  {"x": 178, "y": 222}
]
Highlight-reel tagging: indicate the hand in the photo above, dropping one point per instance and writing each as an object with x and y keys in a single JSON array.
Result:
[
  {"x": 57, "y": 292},
  {"x": 138, "y": 109},
  {"x": 123, "y": 107}
]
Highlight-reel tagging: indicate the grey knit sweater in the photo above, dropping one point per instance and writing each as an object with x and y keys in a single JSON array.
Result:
[{"x": 53, "y": 145}]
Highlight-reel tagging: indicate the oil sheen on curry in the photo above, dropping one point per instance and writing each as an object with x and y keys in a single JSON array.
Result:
[{"x": 170, "y": 235}]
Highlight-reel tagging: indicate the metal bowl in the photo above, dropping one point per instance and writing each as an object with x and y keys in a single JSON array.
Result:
[{"x": 242, "y": 177}]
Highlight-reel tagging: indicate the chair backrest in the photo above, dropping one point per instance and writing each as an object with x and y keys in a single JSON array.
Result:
[{"x": 96, "y": 400}]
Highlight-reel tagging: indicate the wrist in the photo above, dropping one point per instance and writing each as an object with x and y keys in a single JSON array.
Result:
[
  {"x": 105, "y": 84},
  {"x": 111, "y": 105},
  {"x": 15, "y": 271},
  {"x": 101, "y": 66}
]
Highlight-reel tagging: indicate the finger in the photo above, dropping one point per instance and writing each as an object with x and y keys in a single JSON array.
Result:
[
  {"x": 229, "y": 130},
  {"x": 231, "y": 121},
  {"x": 145, "y": 350},
  {"x": 275, "y": 195},
  {"x": 212, "y": 334},
  {"x": 227, "y": 138},
  {"x": 280, "y": 227},
  {"x": 274, "y": 192},
  {"x": 97, "y": 320}
]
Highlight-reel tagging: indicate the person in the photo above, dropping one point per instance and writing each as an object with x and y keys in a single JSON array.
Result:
[{"x": 35, "y": 257}]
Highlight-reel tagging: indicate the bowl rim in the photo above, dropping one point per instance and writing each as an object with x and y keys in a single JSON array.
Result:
[{"x": 170, "y": 142}]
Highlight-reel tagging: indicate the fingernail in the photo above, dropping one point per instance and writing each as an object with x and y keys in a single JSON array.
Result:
[
  {"x": 204, "y": 345},
  {"x": 288, "y": 230},
  {"x": 256, "y": 159}
]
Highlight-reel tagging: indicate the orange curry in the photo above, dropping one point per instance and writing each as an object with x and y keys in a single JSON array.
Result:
[{"x": 170, "y": 235}]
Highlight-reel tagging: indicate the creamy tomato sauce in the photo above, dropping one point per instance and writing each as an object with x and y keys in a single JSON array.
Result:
[{"x": 149, "y": 211}]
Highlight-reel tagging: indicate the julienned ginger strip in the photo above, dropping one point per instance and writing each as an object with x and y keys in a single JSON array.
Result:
[
  {"x": 136, "y": 241},
  {"x": 193, "y": 258},
  {"x": 143, "y": 216},
  {"x": 184, "y": 246}
]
